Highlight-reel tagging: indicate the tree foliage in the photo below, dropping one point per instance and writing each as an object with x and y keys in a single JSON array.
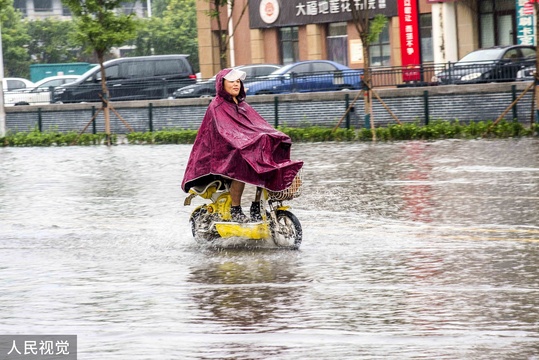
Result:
[
  {"x": 50, "y": 41},
  {"x": 368, "y": 28},
  {"x": 100, "y": 26},
  {"x": 217, "y": 7},
  {"x": 14, "y": 40},
  {"x": 159, "y": 7},
  {"x": 97, "y": 27},
  {"x": 173, "y": 33}
]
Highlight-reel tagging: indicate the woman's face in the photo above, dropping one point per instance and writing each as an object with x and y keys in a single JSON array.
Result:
[{"x": 233, "y": 87}]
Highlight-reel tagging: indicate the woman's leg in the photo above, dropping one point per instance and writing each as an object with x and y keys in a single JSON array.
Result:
[
  {"x": 236, "y": 191},
  {"x": 258, "y": 194},
  {"x": 254, "y": 211}
]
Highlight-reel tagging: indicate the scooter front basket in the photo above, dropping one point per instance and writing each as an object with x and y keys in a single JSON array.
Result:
[{"x": 293, "y": 191}]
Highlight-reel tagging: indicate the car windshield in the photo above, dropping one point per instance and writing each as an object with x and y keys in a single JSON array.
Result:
[{"x": 482, "y": 55}]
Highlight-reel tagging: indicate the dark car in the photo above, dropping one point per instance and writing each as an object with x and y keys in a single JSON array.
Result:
[
  {"x": 131, "y": 78},
  {"x": 495, "y": 64},
  {"x": 207, "y": 88},
  {"x": 307, "y": 76},
  {"x": 526, "y": 74}
]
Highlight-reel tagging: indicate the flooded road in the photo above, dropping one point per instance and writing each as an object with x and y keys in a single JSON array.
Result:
[{"x": 411, "y": 250}]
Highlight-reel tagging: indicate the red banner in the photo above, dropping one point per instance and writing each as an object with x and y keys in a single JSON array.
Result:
[{"x": 410, "y": 41}]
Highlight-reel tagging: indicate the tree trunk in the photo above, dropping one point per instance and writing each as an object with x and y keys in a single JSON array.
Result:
[
  {"x": 367, "y": 79},
  {"x": 105, "y": 93}
]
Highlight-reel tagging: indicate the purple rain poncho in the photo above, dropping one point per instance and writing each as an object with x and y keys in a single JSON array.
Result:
[{"x": 235, "y": 142}]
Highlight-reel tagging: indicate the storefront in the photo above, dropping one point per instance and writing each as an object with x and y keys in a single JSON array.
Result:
[{"x": 282, "y": 32}]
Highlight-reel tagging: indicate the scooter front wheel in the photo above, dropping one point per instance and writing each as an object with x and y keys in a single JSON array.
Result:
[
  {"x": 193, "y": 221},
  {"x": 200, "y": 222},
  {"x": 287, "y": 232}
]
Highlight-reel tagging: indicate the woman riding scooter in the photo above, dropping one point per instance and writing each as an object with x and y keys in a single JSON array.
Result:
[{"x": 236, "y": 144}]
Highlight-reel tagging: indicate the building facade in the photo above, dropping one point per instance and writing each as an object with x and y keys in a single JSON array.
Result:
[
  {"x": 42, "y": 9},
  {"x": 282, "y": 32}
]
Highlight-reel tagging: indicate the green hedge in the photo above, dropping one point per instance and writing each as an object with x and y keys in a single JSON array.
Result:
[
  {"x": 52, "y": 138},
  {"x": 409, "y": 131}
]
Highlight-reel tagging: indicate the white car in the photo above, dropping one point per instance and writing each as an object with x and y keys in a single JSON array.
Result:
[
  {"x": 10, "y": 84},
  {"x": 41, "y": 92}
]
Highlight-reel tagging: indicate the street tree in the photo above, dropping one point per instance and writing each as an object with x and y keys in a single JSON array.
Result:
[
  {"x": 14, "y": 40},
  {"x": 228, "y": 7},
  {"x": 368, "y": 28},
  {"x": 100, "y": 25}
]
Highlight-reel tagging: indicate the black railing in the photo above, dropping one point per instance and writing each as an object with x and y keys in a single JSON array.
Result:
[{"x": 391, "y": 76}]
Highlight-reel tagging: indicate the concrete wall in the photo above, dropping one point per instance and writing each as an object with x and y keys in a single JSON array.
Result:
[{"x": 465, "y": 103}]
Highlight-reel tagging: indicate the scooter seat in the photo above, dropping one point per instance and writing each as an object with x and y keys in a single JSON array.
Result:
[{"x": 206, "y": 191}]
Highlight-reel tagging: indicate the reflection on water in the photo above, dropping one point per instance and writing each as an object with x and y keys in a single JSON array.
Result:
[
  {"x": 411, "y": 250},
  {"x": 246, "y": 293}
]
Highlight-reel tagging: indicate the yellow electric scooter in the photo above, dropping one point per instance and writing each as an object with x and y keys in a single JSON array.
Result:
[{"x": 212, "y": 222}]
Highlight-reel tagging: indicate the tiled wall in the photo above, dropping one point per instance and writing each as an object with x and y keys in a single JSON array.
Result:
[{"x": 295, "y": 110}]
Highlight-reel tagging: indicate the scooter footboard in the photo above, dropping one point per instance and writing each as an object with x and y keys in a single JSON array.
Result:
[{"x": 254, "y": 231}]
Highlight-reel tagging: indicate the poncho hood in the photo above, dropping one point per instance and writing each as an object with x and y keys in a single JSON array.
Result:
[{"x": 235, "y": 142}]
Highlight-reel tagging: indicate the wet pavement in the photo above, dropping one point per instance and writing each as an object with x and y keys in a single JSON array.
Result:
[{"x": 411, "y": 250}]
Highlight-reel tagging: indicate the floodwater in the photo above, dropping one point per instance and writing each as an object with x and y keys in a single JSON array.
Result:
[{"x": 411, "y": 250}]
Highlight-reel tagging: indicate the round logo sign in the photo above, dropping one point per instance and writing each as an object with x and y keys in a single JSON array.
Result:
[{"x": 269, "y": 11}]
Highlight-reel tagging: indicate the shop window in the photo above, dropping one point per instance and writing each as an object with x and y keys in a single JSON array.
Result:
[
  {"x": 42, "y": 5},
  {"x": 497, "y": 22},
  {"x": 380, "y": 51},
  {"x": 337, "y": 43},
  {"x": 425, "y": 28},
  {"x": 289, "y": 45}
]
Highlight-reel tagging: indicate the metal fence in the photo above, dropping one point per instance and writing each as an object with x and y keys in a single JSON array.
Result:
[
  {"x": 382, "y": 77},
  {"x": 419, "y": 105},
  {"x": 476, "y": 72}
]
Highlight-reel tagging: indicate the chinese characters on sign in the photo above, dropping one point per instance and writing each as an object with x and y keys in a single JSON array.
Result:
[
  {"x": 525, "y": 22},
  {"x": 410, "y": 41},
  {"x": 280, "y": 13},
  {"x": 316, "y": 7},
  {"x": 38, "y": 347}
]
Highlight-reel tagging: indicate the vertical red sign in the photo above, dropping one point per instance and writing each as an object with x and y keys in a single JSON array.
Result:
[{"x": 410, "y": 41}]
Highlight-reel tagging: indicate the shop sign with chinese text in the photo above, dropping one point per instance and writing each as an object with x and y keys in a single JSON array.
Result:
[
  {"x": 525, "y": 22},
  {"x": 410, "y": 41},
  {"x": 279, "y": 13}
]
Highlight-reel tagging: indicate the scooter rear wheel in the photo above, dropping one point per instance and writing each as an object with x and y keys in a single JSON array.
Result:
[{"x": 287, "y": 233}]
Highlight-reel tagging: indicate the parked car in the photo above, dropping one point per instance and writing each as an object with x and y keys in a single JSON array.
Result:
[
  {"x": 207, "y": 88},
  {"x": 526, "y": 74},
  {"x": 12, "y": 83},
  {"x": 131, "y": 78},
  {"x": 307, "y": 76},
  {"x": 40, "y": 93},
  {"x": 495, "y": 64}
]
